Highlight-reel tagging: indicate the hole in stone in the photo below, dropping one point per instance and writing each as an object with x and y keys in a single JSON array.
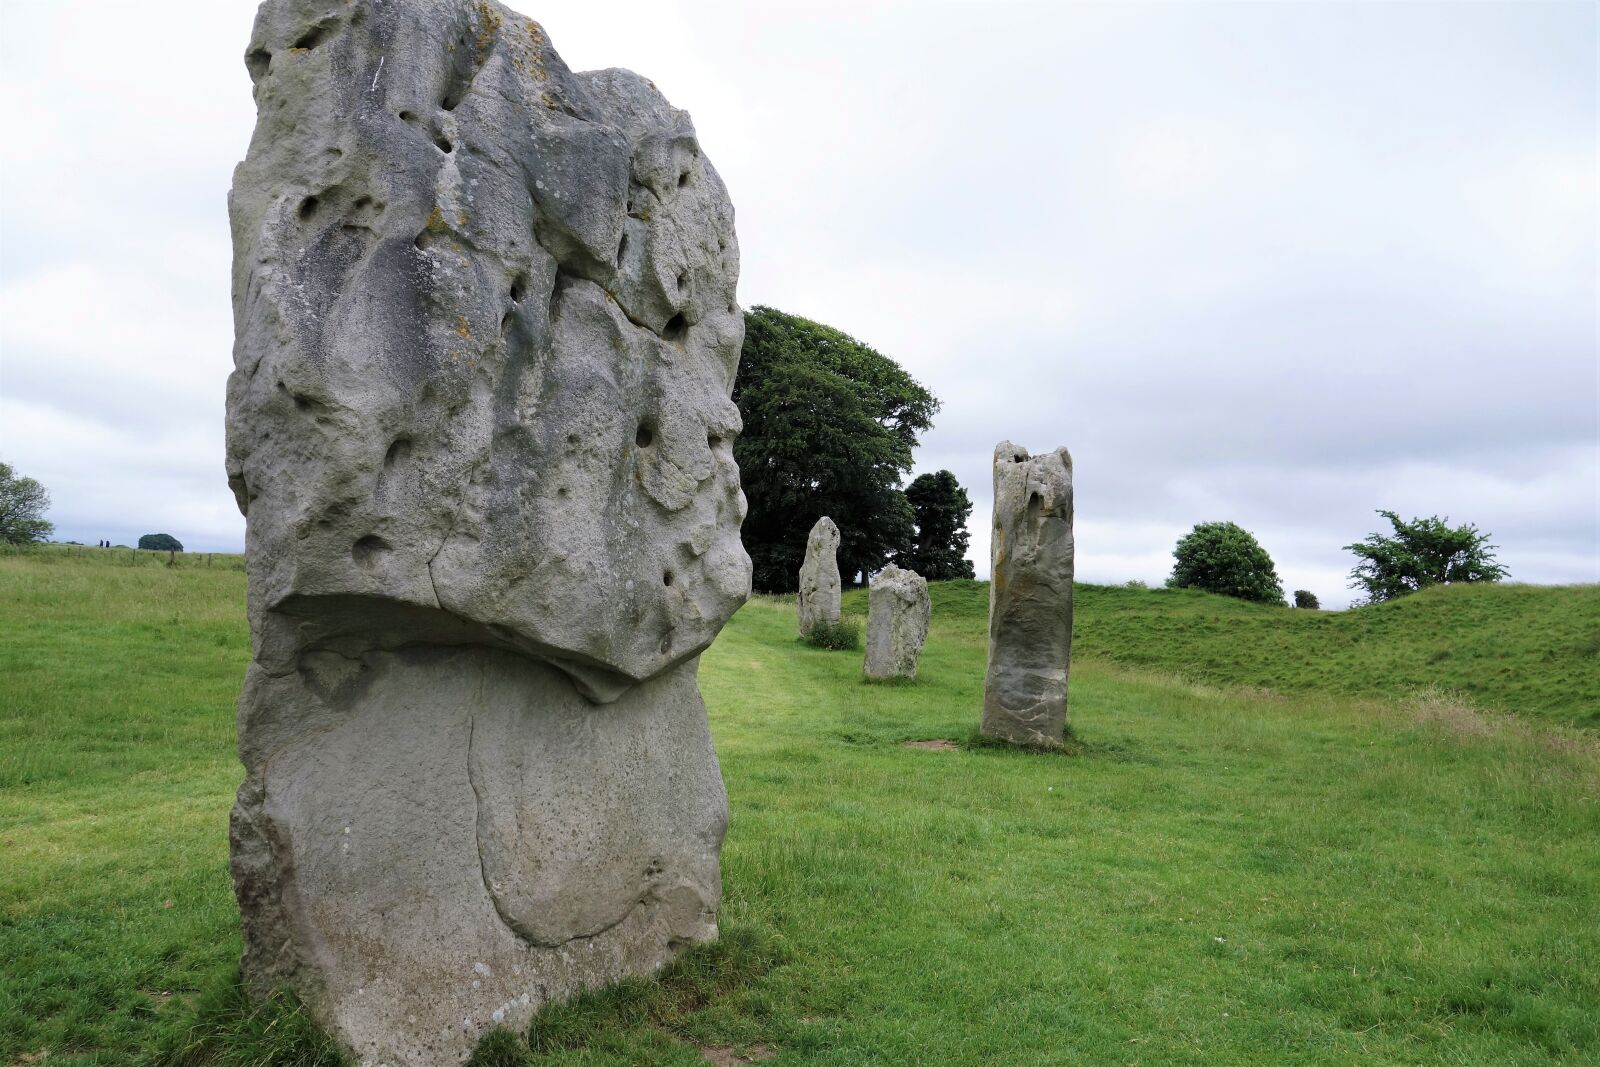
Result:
[
  {"x": 408, "y": 116},
  {"x": 443, "y": 144},
  {"x": 572, "y": 438},
  {"x": 368, "y": 551},
  {"x": 683, "y": 280},
  {"x": 622, "y": 248},
  {"x": 334, "y": 153},
  {"x": 424, "y": 240},
  {"x": 562, "y": 491},
  {"x": 666, "y": 578},
  {"x": 451, "y": 100},
  {"x": 713, "y": 441},
  {"x": 505, "y": 321},
  {"x": 315, "y": 35},
  {"x": 644, "y": 437},
  {"x": 683, "y": 179},
  {"x": 676, "y": 329},
  {"x": 666, "y": 642},
  {"x": 257, "y": 62},
  {"x": 365, "y": 201},
  {"x": 1017, "y": 459},
  {"x": 519, "y": 288},
  {"x": 308, "y": 207},
  {"x": 398, "y": 452}
]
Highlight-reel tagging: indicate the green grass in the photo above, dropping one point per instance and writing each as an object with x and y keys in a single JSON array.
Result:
[
  {"x": 1533, "y": 650},
  {"x": 1211, "y": 874}
]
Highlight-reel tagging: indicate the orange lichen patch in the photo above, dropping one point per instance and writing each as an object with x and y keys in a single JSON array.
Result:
[
  {"x": 436, "y": 222},
  {"x": 530, "y": 58},
  {"x": 489, "y": 29},
  {"x": 462, "y": 329}
]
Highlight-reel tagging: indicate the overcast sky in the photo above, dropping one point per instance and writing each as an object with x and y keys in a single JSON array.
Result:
[{"x": 1279, "y": 263}]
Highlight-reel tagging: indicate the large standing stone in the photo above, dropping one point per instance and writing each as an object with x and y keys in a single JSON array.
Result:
[
  {"x": 480, "y": 428},
  {"x": 897, "y": 623},
  {"x": 818, "y": 600},
  {"x": 1030, "y": 598}
]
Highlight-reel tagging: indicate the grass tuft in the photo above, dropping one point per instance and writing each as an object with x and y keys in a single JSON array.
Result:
[{"x": 229, "y": 1028}]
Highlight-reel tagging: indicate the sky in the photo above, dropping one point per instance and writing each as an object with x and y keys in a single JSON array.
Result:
[{"x": 1282, "y": 264}]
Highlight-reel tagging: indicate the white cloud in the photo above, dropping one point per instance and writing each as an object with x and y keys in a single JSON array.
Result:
[{"x": 1280, "y": 264}]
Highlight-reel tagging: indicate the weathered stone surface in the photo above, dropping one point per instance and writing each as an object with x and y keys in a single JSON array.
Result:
[
  {"x": 1030, "y": 598},
  {"x": 818, "y": 600},
  {"x": 480, "y": 427},
  {"x": 897, "y": 623}
]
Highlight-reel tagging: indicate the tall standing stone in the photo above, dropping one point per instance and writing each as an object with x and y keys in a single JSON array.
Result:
[
  {"x": 1030, "y": 598},
  {"x": 818, "y": 600},
  {"x": 479, "y": 425},
  {"x": 897, "y": 623}
]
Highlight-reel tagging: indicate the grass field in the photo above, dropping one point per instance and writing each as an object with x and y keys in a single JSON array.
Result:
[{"x": 1210, "y": 874}]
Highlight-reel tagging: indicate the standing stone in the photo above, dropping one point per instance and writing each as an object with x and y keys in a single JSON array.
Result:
[
  {"x": 479, "y": 425},
  {"x": 897, "y": 623},
  {"x": 1030, "y": 598},
  {"x": 818, "y": 601}
]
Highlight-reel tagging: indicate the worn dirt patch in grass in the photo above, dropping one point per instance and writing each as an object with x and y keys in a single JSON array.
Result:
[
  {"x": 937, "y": 745},
  {"x": 722, "y": 1056}
]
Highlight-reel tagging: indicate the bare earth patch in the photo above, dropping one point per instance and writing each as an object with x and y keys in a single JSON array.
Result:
[
  {"x": 726, "y": 1057},
  {"x": 934, "y": 746}
]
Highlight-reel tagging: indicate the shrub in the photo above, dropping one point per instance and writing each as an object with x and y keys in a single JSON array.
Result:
[
  {"x": 1135, "y": 583},
  {"x": 1305, "y": 598},
  {"x": 841, "y": 636},
  {"x": 1421, "y": 553},
  {"x": 160, "y": 543},
  {"x": 1225, "y": 558}
]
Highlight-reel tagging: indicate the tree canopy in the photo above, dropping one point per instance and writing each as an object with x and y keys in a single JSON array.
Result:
[
  {"x": 160, "y": 542},
  {"x": 22, "y": 505},
  {"x": 940, "y": 507},
  {"x": 829, "y": 425},
  {"x": 1421, "y": 553},
  {"x": 1225, "y": 558}
]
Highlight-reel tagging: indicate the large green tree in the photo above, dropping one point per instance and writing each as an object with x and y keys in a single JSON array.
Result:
[
  {"x": 22, "y": 505},
  {"x": 1421, "y": 553},
  {"x": 1224, "y": 557},
  {"x": 160, "y": 542},
  {"x": 940, "y": 506},
  {"x": 829, "y": 425}
]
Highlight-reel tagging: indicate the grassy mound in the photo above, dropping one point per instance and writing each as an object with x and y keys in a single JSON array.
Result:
[
  {"x": 1534, "y": 650},
  {"x": 1210, "y": 875}
]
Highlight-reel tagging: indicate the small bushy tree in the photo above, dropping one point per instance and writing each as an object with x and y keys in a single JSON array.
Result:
[
  {"x": 1223, "y": 557},
  {"x": 1421, "y": 553},
  {"x": 160, "y": 543},
  {"x": 941, "y": 507},
  {"x": 22, "y": 505},
  {"x": 1305, "y": 598}
]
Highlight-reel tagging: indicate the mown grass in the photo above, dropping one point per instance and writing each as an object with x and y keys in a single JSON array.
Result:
[
  {"x": 1212, "y": 875},
  {"x": 1533, "y": 650}
]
